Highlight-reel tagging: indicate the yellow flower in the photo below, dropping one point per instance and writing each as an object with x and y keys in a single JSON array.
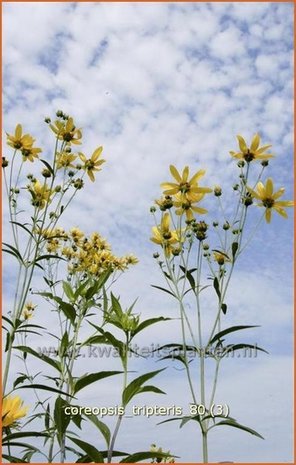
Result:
[
  {"x": 185, "y": 205},
  {"x": 65, "y": 159},
  {"x": 30, "y": 153},
  {"x": 12, "y": 410},
  {"x": 20, "y": 141},
  {"x": 40, "y": 194},
  {"x": 269, "y": 199},
  {"x": 92, "y": 164},
  {"x": 254, "y": 152},
  {"x": 164, "y": 236},
  {"x": 76, "y": 234},
  {"x": 187, "y": 187},
  {"x": 52, "y": 245},
  {"x": 131, "y": 260},
  {"x": 67, "y": 131},
  {"x": 220, "y": 257}
]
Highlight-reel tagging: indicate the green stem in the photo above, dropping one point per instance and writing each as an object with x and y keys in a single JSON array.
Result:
[{"x": 119, "y": 419}]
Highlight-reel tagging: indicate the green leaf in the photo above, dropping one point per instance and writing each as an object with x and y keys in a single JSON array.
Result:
[
  {"x": 150, "y": 388},
  {"x": 116, "y": 305},
  {"x": 42, "y": 357},
  {"x": 48, "y": 166},
  {"x": 48, "y": 257},
  {"x": 69, "y": 311},
  {"x": 102, "y": 427},
  {"x": 91, "y": 451},
  {"x": 11, "y": 437},
  {"x": 12, "y": 459},
  {"x": 44, "y": 388},
  {"x": 230, "y": 330},
  {"x": 23, "y": 227},
  {"x": 47, "y": 417},
  {"x": 234, "y": 424},
  {"x": 149, "y": 322},
  {"x": 60, "y": 418},
  {"x": 85, "y": 380},
  {"x": 224, "y": 308},
  {"x": 80, "y": 290},
  {"x": 234, "y": 247},
  {"x": 135, "y": 386},
  {"x": 19, "y": 380},
  {"x": 163, "y": 289},
  {"x": 216, "y": 287},
  {"x": 233, "y": 347},
  {"x": 68, "y": 291},
  {"x": 188, "y": 274},
  {"x": 139, "y": 456},
  {"x": 13, "y": 251},
  {"x": 97, "y": 285}
]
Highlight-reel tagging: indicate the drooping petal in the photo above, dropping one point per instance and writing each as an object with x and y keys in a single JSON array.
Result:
[
  {"x": 281, "y": 211},
  {"x": 175, "y": 174},
  {"x": 268, "y": 214},
  {"x": 18, "y": 131}
]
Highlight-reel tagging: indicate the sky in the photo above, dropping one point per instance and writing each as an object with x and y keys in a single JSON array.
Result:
[{"x": 159, "y": 84}]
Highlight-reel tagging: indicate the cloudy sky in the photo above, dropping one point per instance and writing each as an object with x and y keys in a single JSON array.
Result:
[{"x": 162, "y": 83}]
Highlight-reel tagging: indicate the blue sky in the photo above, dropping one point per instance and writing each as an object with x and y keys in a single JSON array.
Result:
[{"x": 161, "y": 83}]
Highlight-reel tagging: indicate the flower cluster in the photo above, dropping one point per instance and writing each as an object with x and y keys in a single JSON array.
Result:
[{"x": 86, "y": 254}]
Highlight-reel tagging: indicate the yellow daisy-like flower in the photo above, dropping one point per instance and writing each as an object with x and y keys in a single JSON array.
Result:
[
  {"x": 12, "y": 410},
  {"x": 220, "y": 258},
  {"x": 188, "y": 187},
  {"x": 28, "y": 310},
  {"x": 92, "y": 164},
  {"x": 20, "y": 141},
  {"x": 67, "y": 131},
  {"x": 269, "y": 199},
  {"x": 254, "y": 152},
  {"x": 162, "y": 235},
  {"x": 65, "y": 160},
  {"x": 40, "y": 194},
  {"x": 30, "y": 153},
  {"x": 183, "y": 205}
]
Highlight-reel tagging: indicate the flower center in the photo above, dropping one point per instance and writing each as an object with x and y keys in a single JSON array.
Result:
[
  {"x": 184, "y": 187},
  {"x": 67, "y": 136},
  {"x": 167, "y": 235},
  {"x": 249, "y": 156},
  {"x": 268, "y": 203}
]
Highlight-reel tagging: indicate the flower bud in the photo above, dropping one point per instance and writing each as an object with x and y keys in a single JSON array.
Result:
[
  {"x": 217, "y": 191},
  {"x": 235, "y": 187},
  {"x": 215, "y": 224},
  {"x": 247, "y": 201},
  {"x": 5, "y": 162},
  {"x": 78, "y": 184},
  {"x": 206, "y": 246},
  {"x": 71, "y": 174},
  {"x": 59, "y": 114},
  {"x": 156, "y": 255},
  {"x": 57, "y": 188},
  {"x": 226, "y": 226},
  {"x": 47, "y": 120},
  {"x": 68, "y": 150},
  {"x": 152, "y": 209},
  {"x": 46, "y": 173},
  {"x": 241, "y": 163},
  {"x": 264, "y": 163}
]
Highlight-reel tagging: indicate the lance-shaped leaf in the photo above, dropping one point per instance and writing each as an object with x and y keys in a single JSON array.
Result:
[
  {"x": 102, "y": 427},
  {"x": 68, "y": 291},
  {"x": 54, "y": 363},
  {"x": 88, "y": 379},
  {"x": 189, "y": 276},
  {"x": 136, "y": 385},
  {"x": 235, "y": 424},
  {"x": 60, "y": 418},
  {"x": 163, "y": 289},
  {"x": 149, "y": 322},
  {"x": 139, "y": 456},
  {"x": 230, "y": 330},
  {"x": 233, "y": 347},
  {"x": 91, "y": 451}
]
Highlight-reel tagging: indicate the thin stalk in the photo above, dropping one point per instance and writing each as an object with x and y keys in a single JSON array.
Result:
[{"x": 119, "y": 419}]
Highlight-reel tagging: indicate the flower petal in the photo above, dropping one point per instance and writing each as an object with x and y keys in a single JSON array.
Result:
[
  {"x": 175, "y": 174},
  {"x": 255, "y": 143},
  {"x": 242, "y": 143}
]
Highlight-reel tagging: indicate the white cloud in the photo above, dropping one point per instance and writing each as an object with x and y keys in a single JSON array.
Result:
[{"x": 156, "y": 84}]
